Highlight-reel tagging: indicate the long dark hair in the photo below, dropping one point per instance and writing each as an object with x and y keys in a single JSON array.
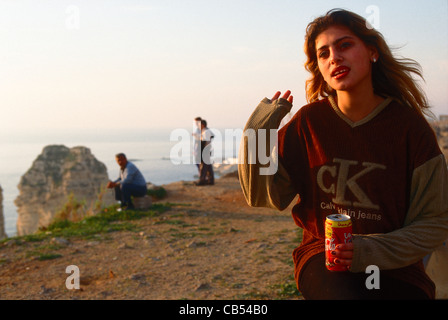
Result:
[{"x": 391, "y": 76}]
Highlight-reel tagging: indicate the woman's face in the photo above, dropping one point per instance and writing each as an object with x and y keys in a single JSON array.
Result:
[{"x": 343, "y": 58}]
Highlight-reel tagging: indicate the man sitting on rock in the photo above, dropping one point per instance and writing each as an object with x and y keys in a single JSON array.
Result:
[{"x": 131, "y": 182}]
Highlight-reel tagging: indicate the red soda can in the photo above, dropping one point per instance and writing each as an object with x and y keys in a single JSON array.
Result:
[{"x": 338, "y": 229}]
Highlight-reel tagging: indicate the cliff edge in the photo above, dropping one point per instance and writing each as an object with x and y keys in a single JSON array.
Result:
[
  {"x": 441, "y": 129},
  {"x": 2, "y": 220}
]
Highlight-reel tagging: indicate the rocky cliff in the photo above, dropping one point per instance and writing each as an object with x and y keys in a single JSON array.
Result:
[
  {"x": 2, "y": 220},
  {"x": 57, "y": 175},
  {"x": 441, "y": 129}
]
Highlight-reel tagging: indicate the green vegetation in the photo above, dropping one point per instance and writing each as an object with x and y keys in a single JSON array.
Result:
[
  {"x": 49, "y": 256},
  {"x": 92, "y": 227},
  {"x": 282, "y": 291},
  {"x": 108, "y": 220},
  {"x": 76, "y": 210},
  {"x": 157, "y": 193},
  {"x": 287, "y": 290}
]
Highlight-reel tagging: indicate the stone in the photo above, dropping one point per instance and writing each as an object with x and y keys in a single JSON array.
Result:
[
  {"x": 203, "y": 286},
  {"x": 138, "y": 277},
  {"x": 60, "y": 177},
  {"x": 142, "y": 203},
  {"x": 60, "y": 241},
  {"x": 45, "y": 290},
  {"x": 124, "y": 246}
]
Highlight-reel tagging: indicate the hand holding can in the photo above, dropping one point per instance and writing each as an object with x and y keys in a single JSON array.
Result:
[
  {"x": 338, "y": 242},
  {"x": 343, "y": 254}
]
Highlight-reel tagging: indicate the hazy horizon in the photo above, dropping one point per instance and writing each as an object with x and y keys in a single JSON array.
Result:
[{"x": 102, "y": 66}]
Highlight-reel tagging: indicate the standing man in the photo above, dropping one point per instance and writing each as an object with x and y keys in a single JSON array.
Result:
[
  {"x": 206, "y": 175},
  {"x": 197, "y": 143},
  {"x": 130, "y": 183}
]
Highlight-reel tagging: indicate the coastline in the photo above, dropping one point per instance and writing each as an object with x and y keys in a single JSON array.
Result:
[
  {"x": 151, "y": 148},
  {"x": 209, "y": 244}
]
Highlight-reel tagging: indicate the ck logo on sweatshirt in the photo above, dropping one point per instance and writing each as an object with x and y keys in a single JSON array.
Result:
[{"x": 338, "y": 187}]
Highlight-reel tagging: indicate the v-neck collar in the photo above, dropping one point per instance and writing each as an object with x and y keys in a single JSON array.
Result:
[{"x": 364, "y": 120}]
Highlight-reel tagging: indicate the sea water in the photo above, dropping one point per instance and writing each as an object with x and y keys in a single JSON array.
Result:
[{"x": 150, "y": 150}]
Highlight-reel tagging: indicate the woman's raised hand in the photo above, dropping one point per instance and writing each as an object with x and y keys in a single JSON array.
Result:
[{"x": 287, "y": 95}]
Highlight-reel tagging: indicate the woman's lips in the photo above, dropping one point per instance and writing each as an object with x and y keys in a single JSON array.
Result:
[{"x": 340, "y": 72}]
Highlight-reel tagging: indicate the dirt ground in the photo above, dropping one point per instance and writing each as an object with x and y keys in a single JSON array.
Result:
[{"x": 209, "y": 245}]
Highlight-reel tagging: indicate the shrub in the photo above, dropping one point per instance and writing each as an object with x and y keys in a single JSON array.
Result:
[{"x": 157, "y": 193}]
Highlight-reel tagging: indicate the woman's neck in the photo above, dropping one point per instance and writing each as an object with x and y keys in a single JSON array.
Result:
[{"x": 357, "y": 106}]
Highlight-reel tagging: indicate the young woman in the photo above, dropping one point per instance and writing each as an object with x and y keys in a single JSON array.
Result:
[{"x": 362, "y": 147}]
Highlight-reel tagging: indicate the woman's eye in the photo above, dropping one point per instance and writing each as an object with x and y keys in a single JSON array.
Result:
[
  {"x": 345, "y": 45},
  {"x": 323, "y": 54}
]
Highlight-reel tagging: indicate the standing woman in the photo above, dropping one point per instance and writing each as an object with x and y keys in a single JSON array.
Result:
[{"x": 363, "y": 147}]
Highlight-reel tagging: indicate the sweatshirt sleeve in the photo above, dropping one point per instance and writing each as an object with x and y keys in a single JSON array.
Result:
[
  {"x": 425, "y": 227},
  {"x": 265, "y": 182}
]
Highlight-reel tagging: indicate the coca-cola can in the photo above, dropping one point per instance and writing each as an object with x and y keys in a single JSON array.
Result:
[{"x": 338, "y": 229}]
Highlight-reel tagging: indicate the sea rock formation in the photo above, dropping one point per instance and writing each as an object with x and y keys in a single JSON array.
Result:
[
  {"x": 2, "y": 219},
  {"x": 227, "y": 166},
  {"x": 441, "y": 129},
  {"x": 58, "y": 174}
]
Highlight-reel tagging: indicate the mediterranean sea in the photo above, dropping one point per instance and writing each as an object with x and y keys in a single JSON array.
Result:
[{"x": 163, "y": 155}]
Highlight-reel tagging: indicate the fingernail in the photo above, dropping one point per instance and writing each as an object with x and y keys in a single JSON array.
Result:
[
  {"x": 336, "y": 261},
  {"x": 333, "y": 253}
]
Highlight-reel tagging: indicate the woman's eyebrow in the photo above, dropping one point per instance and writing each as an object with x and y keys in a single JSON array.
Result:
[{"x": 334, "y": 43}]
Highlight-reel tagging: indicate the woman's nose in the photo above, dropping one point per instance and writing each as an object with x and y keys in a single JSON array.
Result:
[{"x": 335, "y": 57}]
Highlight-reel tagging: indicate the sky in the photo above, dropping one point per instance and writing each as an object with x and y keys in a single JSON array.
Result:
[{"x": 120, "y": 65}]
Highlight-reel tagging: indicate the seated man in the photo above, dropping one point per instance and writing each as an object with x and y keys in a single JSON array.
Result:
[{"x": 130, "y": 183}]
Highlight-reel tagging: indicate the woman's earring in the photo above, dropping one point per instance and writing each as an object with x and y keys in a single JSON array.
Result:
[{"x": 374, "y": 60}]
